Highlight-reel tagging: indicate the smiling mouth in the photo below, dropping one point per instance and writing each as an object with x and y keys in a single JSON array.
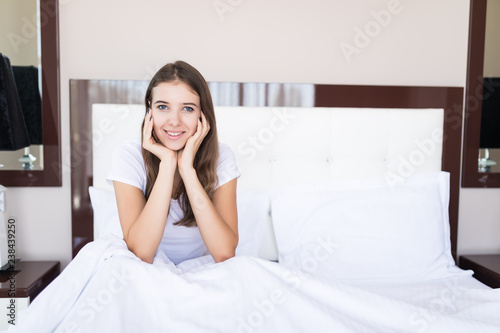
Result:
[{"x": 174, "y": 133}]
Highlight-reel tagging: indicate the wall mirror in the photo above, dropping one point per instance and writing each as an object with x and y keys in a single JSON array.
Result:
[
  {"x": 481, "y": 162},
  {"x": 29, "y": 38}
]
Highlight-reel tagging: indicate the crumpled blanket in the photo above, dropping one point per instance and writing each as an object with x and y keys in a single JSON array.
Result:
[{"x": 106, "y": 288}]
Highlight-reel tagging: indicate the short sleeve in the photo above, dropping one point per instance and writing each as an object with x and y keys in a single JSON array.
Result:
[
  {"x": 127, "y": 165},
  {"x": 227, "y": 168}
]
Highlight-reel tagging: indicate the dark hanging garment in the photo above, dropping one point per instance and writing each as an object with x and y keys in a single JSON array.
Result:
[
  {"x": 489, "y": 136},
  {"x": 26, "y": 78},
  {"x": 13, "y": 132}
]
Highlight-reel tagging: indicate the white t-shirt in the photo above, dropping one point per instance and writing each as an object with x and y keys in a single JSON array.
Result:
[{"x": 179, "y": 243}]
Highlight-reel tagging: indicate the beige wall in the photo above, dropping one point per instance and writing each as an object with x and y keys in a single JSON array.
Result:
[
  {"x": 421, "y": 43},
  {"x": 492, "y": 40},
  {"x": 19, "y": 34}
]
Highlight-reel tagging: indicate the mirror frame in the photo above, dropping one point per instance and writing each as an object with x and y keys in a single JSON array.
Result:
[
  {"x": 51, "y": 175},
  {"x": 474, "y": 96}
]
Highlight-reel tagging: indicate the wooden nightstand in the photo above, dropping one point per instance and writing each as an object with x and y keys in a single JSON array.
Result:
[
  {"x": 486, "y": 268},
  {"x": 20, "y": 285}
]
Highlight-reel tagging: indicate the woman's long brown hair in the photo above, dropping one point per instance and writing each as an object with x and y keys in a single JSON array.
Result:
[{"x": 205, "y": 161}]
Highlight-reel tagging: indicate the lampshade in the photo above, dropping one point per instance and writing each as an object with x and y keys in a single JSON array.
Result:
[
  {"x": 490, "y": 114},
  {"x": 13, "y": 131}
]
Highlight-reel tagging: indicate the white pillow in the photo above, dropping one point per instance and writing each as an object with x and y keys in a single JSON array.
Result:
[
  {"x": 253, "y": 216},
  {"x": 366, "y": 230},
  {"x": 106, "y": 218}
]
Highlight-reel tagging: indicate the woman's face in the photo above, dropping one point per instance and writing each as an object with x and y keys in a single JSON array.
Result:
[{"x": 175, "y": 111}]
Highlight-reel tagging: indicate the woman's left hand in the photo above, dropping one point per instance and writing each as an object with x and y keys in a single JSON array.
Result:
[{"x": 185, "y": 156}]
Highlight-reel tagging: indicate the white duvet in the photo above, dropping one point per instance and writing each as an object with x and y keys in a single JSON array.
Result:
[{"x": 107, "y": 289}]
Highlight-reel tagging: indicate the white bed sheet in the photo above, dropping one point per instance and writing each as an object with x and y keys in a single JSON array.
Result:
[
  {"x": 444, "y": 297},
  {"x": 107, "y": 289}
]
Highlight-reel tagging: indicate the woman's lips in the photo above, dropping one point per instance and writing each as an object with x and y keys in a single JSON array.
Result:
[{"x": 174, "y": 135}]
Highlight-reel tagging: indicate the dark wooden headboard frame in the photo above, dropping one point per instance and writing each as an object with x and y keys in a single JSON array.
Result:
[{"x": 85, "y": 93}]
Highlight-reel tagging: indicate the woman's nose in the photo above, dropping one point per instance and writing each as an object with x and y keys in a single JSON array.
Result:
[{"x": 173, "y": 119}]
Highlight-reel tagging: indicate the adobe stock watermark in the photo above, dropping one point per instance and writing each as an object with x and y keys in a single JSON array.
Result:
[
  {"x": 263, "y": 309},
  {"x": 222, "y": 7},
  {"x": 30, "y": 27},
  {"x": 96, "y": 303},
  {"x": 444, "y": 304},
  {"x": 373, "y": 28},
  {"x": 82, "y": 148},
  {"x": 408, "y": 165},
  {"x": 89, "y": 138},
  {"x": 278, "y": 123}
]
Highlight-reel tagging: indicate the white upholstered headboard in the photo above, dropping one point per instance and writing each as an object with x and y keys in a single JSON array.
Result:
[{"x": 278, "y": 146}]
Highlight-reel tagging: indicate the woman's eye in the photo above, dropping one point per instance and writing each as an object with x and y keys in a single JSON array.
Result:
[
  {"x": 188, "y": 108},
  {"x": 162, "y": 107}
]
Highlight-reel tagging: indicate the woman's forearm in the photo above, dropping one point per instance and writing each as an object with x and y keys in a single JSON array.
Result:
[
  {"x": 145, "y": 234},
  {"x": 219, "y": 239}
]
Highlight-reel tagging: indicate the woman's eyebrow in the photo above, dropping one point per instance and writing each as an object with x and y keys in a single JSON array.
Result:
[{"x": 162, "y": 102}]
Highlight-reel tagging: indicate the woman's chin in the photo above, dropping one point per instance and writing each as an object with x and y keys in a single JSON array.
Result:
[{"x": 175, "y": 146}]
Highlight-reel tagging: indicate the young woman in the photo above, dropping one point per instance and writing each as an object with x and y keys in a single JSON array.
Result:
[{"x": 177, "y": 192}]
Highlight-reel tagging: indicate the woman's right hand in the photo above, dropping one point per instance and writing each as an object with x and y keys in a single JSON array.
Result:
[{"x": 150, "y": 143}]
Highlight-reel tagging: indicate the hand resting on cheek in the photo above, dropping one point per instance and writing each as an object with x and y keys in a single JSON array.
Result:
[
  {"x": 153, "y": 145},
  {"x": 186, "y": 155}
]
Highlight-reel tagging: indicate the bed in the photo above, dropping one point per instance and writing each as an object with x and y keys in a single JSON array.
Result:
[{"x": 347, "y": 208}]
